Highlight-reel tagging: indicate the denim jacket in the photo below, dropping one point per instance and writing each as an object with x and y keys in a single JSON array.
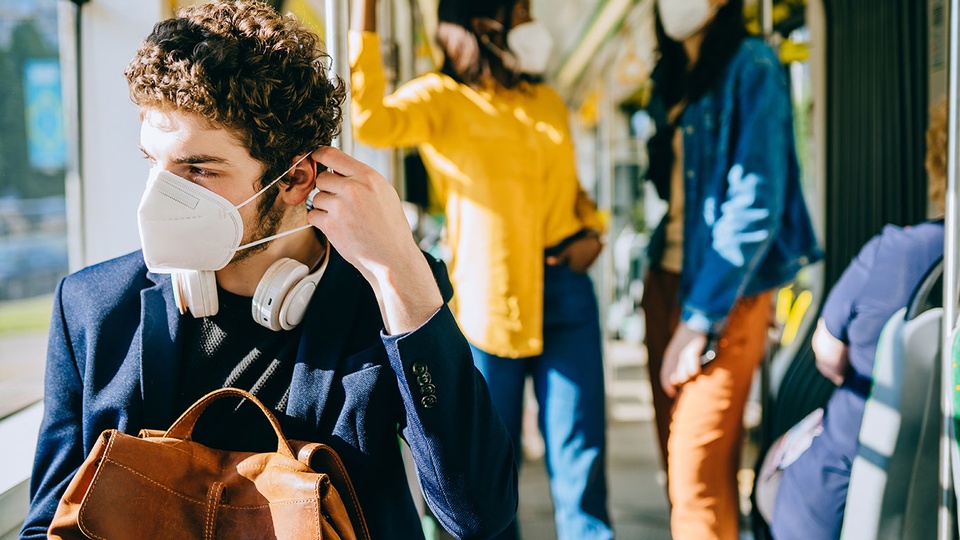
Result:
[{"x": 746, "y": 228}]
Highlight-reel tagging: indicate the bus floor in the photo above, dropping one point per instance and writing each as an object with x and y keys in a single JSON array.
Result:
[{"x": 637, "y": 497}]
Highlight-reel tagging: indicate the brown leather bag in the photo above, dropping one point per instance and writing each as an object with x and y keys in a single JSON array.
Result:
[{"x": 164, "y": 485}]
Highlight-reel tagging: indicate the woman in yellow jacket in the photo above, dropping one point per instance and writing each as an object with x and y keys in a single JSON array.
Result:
[{"x": 522, "y": 233}]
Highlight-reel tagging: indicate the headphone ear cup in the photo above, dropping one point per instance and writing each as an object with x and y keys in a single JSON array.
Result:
[
  {"x": 196, "y": 290},
  {"x": 295, "y": 305},
  {"x": 272, "y": 290},
  {"x": 179, "y": 295}
]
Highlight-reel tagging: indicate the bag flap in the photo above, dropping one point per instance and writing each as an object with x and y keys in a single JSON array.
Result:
[{"x": 323, "y": 459}]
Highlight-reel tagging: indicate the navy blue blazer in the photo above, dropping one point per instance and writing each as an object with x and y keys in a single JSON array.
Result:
[{"x": 113, "y": 362}]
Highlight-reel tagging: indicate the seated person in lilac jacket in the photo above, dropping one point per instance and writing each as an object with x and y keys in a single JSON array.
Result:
[
  {"x": 350, "y": 342},
  {"x": 812, "y": 492}
]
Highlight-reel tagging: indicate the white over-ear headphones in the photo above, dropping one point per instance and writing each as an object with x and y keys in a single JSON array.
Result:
[
  {"x": 280, "y": 301},
  {"x": 196, "y": 290}
]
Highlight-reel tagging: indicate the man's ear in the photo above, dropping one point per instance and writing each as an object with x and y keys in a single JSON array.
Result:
[{"x": 300, "y": 181}]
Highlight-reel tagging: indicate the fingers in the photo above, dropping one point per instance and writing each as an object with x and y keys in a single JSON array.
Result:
[
  {"x": 315, "y": 218},
  {"x": 684, "y": 372},
  {"x": 322, "y": 200},
  {"x": 330, "y": 183},
  {"x": 324, "y": 203},
  {"x": 559, "y": 259},
  {"x": 339, "y": 161},
  {"x": 669, "y": 389},
  {"x": 346, "y": 173},
  {"x": 686, "y": 368}
]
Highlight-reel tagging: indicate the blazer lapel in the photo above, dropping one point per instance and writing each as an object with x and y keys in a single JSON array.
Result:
[
  {"x": 160, "y": 352},
  {"x": 326, "y": 327}
]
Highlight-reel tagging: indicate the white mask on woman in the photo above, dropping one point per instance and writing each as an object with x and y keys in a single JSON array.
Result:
[
  {"x": 186, "y": 227},
  {"x": 684, "y": 18},
  {"x": 531, "y": 44}
]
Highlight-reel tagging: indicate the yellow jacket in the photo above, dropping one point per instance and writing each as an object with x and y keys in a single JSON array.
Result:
[{"x": 502, "y": 163}]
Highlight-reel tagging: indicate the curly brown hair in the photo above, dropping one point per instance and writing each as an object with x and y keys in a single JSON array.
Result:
[
  {"x": 936, "y": 158},
  {"x": 243, "y": 67}
]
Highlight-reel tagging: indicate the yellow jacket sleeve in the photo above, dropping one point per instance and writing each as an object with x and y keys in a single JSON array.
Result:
[
  {"x": 587, "y": 211},
  {"x": 585, "y": 208},
  {"x": 412, "y": 115}
]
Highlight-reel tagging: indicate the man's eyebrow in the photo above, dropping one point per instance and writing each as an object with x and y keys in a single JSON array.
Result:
[
  {"x": 192, "y": 160},
  {"x": 199, "y": 158}
]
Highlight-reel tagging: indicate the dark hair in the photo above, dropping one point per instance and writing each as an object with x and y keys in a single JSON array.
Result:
[
  {"x": 724, "y": 34},
  {"x": 244, "y": 67},
  {"x": 465, "y": 59}
]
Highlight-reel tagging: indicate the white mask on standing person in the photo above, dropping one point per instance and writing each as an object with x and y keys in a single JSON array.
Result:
[
  {"x": 531, "y": 44},
  {"x": 684, "y": 18},
  {"x": 186, "y": 227}
]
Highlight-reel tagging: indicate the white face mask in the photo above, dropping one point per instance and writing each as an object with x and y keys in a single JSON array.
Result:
[
  {"x": 186, "y": 227},
  {"x": 531, "y": 44},
  {"x": 684, "y": 18}
]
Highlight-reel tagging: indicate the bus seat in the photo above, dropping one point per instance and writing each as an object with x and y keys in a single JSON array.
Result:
[
  {"x": 891, "y": 494},
  {"x": 922, "y": 343},
  {"x": 878, "y": 434}
]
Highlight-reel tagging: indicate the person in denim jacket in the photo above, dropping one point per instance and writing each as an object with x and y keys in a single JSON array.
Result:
[{"x": 737, "y": 227}]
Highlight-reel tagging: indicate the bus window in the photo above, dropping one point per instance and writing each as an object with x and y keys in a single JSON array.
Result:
[{"x": 33, "y": 224}]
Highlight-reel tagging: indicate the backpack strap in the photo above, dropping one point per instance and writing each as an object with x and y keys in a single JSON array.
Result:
[{"x": 323, "y": 459}]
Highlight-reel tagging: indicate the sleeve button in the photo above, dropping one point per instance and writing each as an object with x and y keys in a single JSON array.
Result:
[
  {"x": 428, "y": 402},
  {"x": 424, "y": 378},
  {"x": 428, "y": 389},
  {"x": 419, "y": 368}
]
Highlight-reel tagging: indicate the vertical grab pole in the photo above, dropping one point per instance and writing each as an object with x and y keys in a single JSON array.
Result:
[
  {"x": 70, "y": 27},
  {"x": 766, "y": 18},
  {"x": 945, "y": 519},
  {"x": 773, "y": 336},
  {"x": 336, "y": 23}
]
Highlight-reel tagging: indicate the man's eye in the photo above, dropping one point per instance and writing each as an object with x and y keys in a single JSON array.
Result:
[{"x": 203, "y": 173}]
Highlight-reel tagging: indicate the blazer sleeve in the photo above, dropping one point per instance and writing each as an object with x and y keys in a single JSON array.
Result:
[
  {"x": 59, "y": 448},
  {"x": 463, "y": 453}
]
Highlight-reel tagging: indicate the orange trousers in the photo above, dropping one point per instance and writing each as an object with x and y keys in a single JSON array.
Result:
[{"x": 700, "y": 431}]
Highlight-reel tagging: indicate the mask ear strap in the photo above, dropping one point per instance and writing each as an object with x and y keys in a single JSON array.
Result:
[
  {"x": 275, "y": 180},
  {"x": 274, "y": 237}
]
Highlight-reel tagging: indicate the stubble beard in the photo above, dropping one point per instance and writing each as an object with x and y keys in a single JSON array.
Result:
[{"x": 267, "y": 224}]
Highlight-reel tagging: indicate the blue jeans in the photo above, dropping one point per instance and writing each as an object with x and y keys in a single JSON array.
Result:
[{"x": 568, "y": 383}]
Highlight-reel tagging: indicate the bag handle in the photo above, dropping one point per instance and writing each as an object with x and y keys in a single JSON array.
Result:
[{"x": 182, "y": 428}]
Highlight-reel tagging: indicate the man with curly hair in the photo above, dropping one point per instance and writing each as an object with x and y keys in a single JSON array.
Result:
[{"x": 350, "y": 341}]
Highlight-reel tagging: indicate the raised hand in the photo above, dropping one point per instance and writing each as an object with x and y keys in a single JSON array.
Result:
[{"x": 361, "y": 215}]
